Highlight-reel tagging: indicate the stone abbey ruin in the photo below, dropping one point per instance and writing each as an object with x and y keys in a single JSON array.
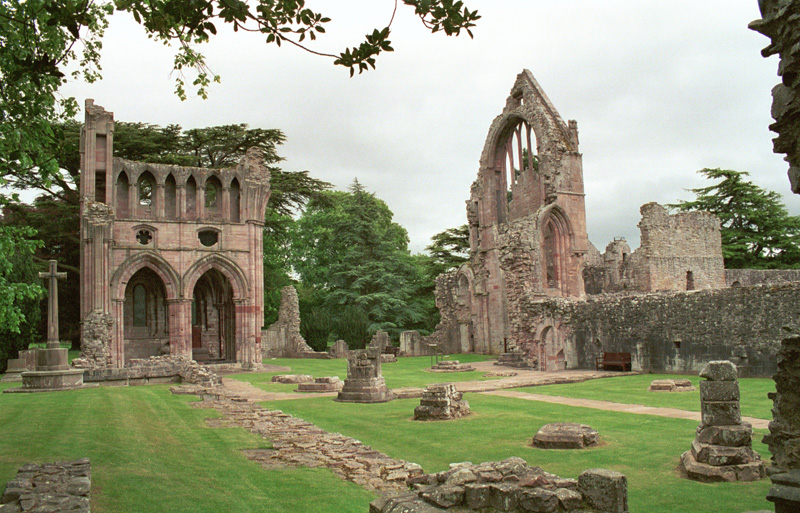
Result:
[
  {"x": 170, "y": 265},
  {"x": 534, "y": 284}
]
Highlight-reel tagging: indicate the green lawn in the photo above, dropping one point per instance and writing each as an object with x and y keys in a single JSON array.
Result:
[
  {"x": 150, "y": 452},
  {"x": 633, "y": 390},
  {"x": 406, "y": 372},
  {"x": 645, "y": 448}
]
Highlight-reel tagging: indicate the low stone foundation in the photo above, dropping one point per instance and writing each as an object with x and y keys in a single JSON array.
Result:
[
  {"x": 154, "y": 370},
  {"x": 293, "y": 378},
  {"x": 452, "y": 366},
  {"x": 516, "y": 360},
  {"x": 671, "y": 385},
  {"x": 51, "y": 487},
  {"x": 508, "y": 485},
  {"x": 441, "y": 402},
  {"x": 324, "y": 384}
]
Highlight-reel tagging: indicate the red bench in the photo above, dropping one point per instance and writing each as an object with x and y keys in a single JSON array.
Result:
[{"x": 615, "y": 361}]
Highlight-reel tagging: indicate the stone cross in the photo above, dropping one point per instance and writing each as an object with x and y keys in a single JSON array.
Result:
[{"x": 53, "y": 341}]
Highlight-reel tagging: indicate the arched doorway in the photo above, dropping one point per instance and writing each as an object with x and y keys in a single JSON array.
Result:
[
  {"x": 213, "y": 318},
  {"x": 146, "y": 316}
]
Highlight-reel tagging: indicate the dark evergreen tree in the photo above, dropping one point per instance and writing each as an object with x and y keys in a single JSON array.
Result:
[{"x": 757, "y": 230}]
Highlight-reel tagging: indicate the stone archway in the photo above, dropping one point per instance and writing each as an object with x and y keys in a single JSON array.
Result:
[
  {"x": 213, "y": 318},
  {"x": 145, "y": 315}
]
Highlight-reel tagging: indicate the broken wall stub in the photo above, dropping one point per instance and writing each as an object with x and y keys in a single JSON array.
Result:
[
  {"x": 283, "y": 339},
  {"x": 784, "y": 430},
  {"x": 170, "y": 252},
  {"x": 527, "y": 224}
]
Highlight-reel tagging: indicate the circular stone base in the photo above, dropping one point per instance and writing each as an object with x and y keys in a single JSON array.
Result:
[
  {"x": 565, "y": 435},
  {"x": 50, "y": 381}
]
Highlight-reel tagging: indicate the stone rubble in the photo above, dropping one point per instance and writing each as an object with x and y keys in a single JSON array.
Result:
[
  {"x": 508, "y": 485},
  {"x": 441, "y": 402},
  {"x": 722, "y": 449},
  {"x": 156, "y": 369},
  {"x": 296, "y": 442},
  {"x": 49, "y": 488}
]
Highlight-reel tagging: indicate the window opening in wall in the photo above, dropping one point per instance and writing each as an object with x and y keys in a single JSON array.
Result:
[
  {"x": 139, "y": 305},
  {"x": 145, "y": 191},
  {"x": 208, "y": 237},
  {"x": 170, "y": 197},
  {"x": 144, "y": 237},
  {"x": 100, "y": 186},
  {"x": 689, "y": 280},
  {"x": 234, "y": 201},
  {"x": 191, "y": 198},
  {"x": 677, "y": 344},
  {"x": 211, "y": 195},
  {"x": 122, "y": 195},
  {"x": 517, "y": 158}
]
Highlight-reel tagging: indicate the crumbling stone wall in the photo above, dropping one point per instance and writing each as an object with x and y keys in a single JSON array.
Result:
[{"x": 676, "y": 332}]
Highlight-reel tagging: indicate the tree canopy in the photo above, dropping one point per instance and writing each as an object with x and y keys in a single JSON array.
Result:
[
  {"x": 356, "y": 272},
  {"x": 757, "y": 230},
  {"x": 449, "y": 249}
]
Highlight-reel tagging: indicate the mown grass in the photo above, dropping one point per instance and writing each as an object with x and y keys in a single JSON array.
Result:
[
  {"x": 151, "y": 452},
  {"x": 406, "y": 372},
  {"x": 633, "y": 390},
  {"x": 645, "y": 448}
]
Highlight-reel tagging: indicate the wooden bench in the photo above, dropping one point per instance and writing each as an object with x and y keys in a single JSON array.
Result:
[{"x": 616, "y": 361}]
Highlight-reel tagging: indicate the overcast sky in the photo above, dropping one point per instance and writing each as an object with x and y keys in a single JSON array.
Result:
[{"x": 659, "y": 91}]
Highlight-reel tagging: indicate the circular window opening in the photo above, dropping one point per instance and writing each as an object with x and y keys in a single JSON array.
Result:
[
  {"x": 208, "y": 238},
  {"x": 144, "y": 237}
]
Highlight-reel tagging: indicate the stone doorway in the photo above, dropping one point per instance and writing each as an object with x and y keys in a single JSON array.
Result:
[
  {"x": 213, "y": 318},
  {"x": 146, "y": 316}
]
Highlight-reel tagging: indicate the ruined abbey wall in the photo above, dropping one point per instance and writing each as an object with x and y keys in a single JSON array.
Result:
[{"x": 675, "y": 332}]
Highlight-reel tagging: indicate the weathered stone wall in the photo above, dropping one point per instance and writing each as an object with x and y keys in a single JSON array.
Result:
[
  {"x": 750, "y": 277},
  {"x": 676, "y": 332}
]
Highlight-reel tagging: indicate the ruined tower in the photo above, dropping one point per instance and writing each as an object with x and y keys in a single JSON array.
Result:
[
  {"x": 170, "y": 255},
  {"x": 527, "y": 224}
]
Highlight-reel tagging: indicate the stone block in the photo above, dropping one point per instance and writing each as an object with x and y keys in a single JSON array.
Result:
[
  {"x": 719, "y": 370},
  {"x": 719, "y": 390},
  {"x": 605, "y": 490},
  {"x": 476, "y": 495},
  {"x": 504, "y": 496},
  {"x": 569, "y": 499},
  {"x": 539, "y": 500},
  {"x": 731, "y": 436},
  {"x": 445, "y": 496},
  {"x": 704, "y": 472},
  {"x": 720, "y": 413},
  {"x": 565, "y": 435}
]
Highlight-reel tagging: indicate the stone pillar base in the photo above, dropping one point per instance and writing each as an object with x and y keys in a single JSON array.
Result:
[{"x": 56, "y": 359}]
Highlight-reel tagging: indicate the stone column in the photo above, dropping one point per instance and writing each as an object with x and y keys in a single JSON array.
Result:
[{"x": 722, "y": 449}]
